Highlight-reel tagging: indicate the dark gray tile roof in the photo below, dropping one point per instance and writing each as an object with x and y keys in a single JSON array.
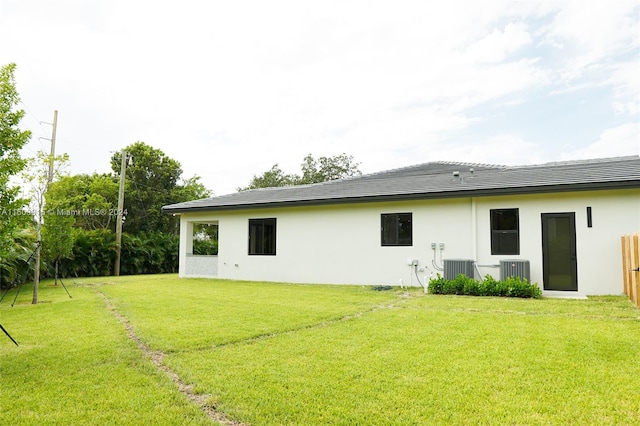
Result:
[{"x": 436, "y": 180}]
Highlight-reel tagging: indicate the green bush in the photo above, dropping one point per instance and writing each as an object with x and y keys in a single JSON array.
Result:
[
  {"x": 205, "y": 247},
  {"x": 94, "y": 253},
  {"x": 436, "y": 285},
  {"x": 463, "y": 285}
]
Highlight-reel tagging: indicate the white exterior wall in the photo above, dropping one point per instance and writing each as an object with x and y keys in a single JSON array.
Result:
[
  {"x": 202, "y": 266},
  {"x": 340, "y": 244},
  {"x": 598, "y": 250}
]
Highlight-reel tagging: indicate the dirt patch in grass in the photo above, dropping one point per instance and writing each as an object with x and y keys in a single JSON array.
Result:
[{"x": 157, "y": 359}]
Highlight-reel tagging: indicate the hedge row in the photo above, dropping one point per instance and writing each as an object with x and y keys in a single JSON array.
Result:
[
  {"x": 463, "y": 285},
  {"x": 94, "y": 254}
]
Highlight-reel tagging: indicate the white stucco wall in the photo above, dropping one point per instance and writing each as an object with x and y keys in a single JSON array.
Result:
[
  {"x": 337, "y": 244},
  {"x": 614, "y": 213},
  {"x": 341, "y": 244},
  {"x": 201, "y": 266}
]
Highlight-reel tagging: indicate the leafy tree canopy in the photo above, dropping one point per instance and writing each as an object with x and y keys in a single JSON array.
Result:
[
  {"x": 12, "y": 139},
  {"x": 37, "y": 175},
  {"x": 328, "y": 168},
  {"x": 313, "y": 171},
  {"x": 89, "y": 199},
  {"x": 271, "y": 178},
  {"x": 58, "y": 234},
  {"x": 36, "y": 178},
  {"x": 153, "y": 180}
]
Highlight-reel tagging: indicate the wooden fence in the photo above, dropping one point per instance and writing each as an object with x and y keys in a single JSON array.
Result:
[{"x": 630, "y": 267}]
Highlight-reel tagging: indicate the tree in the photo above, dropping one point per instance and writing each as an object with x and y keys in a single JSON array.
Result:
[
  {"x": 12, "y": 139},
  {"x": 328, "y": 168},
  {"x": 58, "y": 233},
  {"x": 37, "y": 178},
  {"x": 271, "y": 178},
  {"x": 90, "y": 199},
  {"x": 14, "y": 263},
  {"x": 313, "y": 171},
  {"x": 153, "y": 180}
]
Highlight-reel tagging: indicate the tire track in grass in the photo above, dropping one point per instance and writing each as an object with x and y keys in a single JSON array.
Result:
[
  {"x": 157, "y": 358},
  {"x": 322, "y": 324}
]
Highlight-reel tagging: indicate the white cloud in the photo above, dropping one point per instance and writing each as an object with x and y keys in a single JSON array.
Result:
[
  {"x": 496, "y": 46},
  {"x": 614, "y": 142},
  {"x": 592, "y": 35},
  {"x": 631, "y": 107},
  {"x": 230, "y": 88},
  {"x": 625, "y": 80},
  {"x": 507, "y": 149}
]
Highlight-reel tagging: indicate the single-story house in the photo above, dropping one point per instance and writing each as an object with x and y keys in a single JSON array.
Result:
[{"x": 558, "y": 224}]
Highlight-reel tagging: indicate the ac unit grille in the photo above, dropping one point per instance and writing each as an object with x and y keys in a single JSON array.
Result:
[
  {"x": 455, "y": 267},
  {"x": 514, "y": 268}
]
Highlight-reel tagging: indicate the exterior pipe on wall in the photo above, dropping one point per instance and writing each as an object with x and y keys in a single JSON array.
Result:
[
  {"x": 475, "y": 264},
  {"x": 474, "y": 239},
  {"x": 410, "y": 276}
]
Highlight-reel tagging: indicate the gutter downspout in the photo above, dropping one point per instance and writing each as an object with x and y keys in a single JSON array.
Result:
[{"x": 474, "y": 236}]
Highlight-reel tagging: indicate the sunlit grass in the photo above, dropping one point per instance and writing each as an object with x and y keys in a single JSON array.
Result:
[
  {"x": 75, "y": 365},
  {"x": 269, "y": 353},
  {"x": 424, "y": 362},
  {"x": 177, "y": 315}
]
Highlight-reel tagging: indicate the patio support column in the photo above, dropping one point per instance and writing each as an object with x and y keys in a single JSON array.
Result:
[{"x": 186, "y": 244}]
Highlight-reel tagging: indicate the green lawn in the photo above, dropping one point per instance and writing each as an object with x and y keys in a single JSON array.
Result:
[{"x": 269, "y": 353}]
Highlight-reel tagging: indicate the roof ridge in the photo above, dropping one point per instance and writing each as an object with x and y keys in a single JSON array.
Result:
[
  {"x": 494, "y": 167},
  {"x": 413, "y": 166},
  {"x": 465, "y": 163},
  {"x": 578, "y": 162},
  {"x": 410, "y": 183},
  {"x": 442, "y": 162}
]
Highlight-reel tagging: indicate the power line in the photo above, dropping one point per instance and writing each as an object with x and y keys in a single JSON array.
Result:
[{"x": 30, "y": 112}]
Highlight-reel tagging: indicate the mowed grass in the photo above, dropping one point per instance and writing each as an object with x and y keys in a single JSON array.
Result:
[
  {"x": 272, "y": 354},
  {"x": 75, "y": 365}
]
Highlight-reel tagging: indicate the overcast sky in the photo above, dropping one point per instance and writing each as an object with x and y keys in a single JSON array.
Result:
[{"x": 229, "y": 88}]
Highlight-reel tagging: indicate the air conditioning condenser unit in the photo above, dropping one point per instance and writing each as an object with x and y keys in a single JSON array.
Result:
[
  {"x": 514, "y": 268},
  {"x": 455, "y": 267}
]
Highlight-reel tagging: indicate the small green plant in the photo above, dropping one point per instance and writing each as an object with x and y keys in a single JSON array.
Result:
[
  {"x": 463, "y": 285},
  {"x": 436, "y": 285}
]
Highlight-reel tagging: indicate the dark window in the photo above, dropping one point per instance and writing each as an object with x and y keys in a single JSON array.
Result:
[
  {"x": 505, "y": 231},
  {"x": 262, "y": 236},
  {"x": 396, "y": 229}
]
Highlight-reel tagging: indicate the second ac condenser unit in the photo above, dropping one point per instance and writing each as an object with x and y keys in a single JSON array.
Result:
[
  {"x": 455, "y": 267},
  {"x": 514, "y": 268}
]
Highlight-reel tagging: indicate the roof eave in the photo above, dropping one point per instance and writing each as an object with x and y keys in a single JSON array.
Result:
[{"x": 457, "y": 193}]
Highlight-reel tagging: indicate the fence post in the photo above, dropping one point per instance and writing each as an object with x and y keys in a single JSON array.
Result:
[
  {"x": 635, "y": 268},
  {"x": 626, "y": 266},
  {"x": 630, "y": 265}
]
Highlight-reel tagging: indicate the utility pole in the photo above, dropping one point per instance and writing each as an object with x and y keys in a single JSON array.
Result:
[
  {"x": 53, "y": 147},
  {"x": 123, "y": 168},
  {"x": 36, "y": 272}
]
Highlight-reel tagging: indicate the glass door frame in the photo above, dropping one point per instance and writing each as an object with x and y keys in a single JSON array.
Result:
[{"x": 549, "y": 260}]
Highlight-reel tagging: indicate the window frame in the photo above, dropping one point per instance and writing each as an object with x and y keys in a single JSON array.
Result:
[
  {"x": 392, "y": 237},
  {"x": 503, "y": 233},
  {"x": 264, "y": 229}
]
